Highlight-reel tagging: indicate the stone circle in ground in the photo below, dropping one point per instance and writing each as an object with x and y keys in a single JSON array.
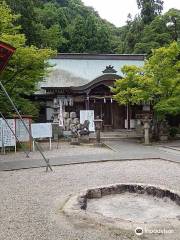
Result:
[{"x": 126, "y": 206}]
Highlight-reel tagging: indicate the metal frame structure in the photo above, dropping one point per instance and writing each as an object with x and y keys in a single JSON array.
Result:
[{"x": 6, "y": 51}]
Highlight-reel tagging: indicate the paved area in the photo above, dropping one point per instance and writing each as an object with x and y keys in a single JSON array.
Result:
[
  {"x": 61, "y": 154},
  {"x": 129, "y": 149},
  {"x": 64, "y": 154},
  {"x": 32, "y": 200}
]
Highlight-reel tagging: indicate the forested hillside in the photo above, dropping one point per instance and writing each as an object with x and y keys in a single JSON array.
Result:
[
  {"x": 65, "y": 25},
  {"x": 69, "y": 26}
]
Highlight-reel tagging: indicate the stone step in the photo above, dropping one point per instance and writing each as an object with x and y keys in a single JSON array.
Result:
[
  {"x": 116, "y": 138},
  {"x": 120, "y": 135}
]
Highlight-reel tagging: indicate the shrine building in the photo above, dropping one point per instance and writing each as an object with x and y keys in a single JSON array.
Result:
[{"x": 83, "y": 81}]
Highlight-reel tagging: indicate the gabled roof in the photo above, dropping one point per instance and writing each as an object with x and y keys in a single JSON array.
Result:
[
  {"x": 80, "y": 69},
  {"x": 104, "y": 78}
]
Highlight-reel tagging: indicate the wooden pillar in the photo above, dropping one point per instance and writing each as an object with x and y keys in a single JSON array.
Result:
[
  {"x": 87, "y": 100},
  {"x": 112, "y": 112},
  {"x": 128, "y": 116}
]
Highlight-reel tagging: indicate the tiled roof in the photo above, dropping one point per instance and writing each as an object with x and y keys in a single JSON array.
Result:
[{"x": 75, "y": 70}]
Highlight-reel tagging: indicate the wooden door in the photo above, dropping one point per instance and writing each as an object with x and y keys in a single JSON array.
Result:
[
  {"x": 119, "y": 115},
  {"x": 107, "y": 114},
  {"x": 103, "y": 110}
]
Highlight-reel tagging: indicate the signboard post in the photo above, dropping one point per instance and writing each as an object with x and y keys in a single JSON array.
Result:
[
  {"x": 14, "y": 134},
  {"x": 7, "y": 137},
  {"x": 42, "y": 130}
]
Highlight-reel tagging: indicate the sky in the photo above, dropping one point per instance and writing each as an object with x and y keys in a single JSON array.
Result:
[{"x": 116, "y": 11}]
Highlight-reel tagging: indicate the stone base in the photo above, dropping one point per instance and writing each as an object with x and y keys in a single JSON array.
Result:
[
  {"x": 107, "y": 128},
  {"x": 98, "y": 144},
  {"x": 57, "y": 131},
  {"x": 164, "y": 138},
  {"x": 75, "y": 141},
  {"x": 85, "y": 139},
  {"x": 67, "y": 134},
  {"x": 147, "y": 144}
]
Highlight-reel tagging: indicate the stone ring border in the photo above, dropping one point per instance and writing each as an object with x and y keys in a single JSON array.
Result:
[{"x": 75, "y": 207}]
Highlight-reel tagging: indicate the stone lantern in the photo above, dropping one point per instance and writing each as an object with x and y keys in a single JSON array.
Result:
[
  {"x": 98, "y": 126},
  {"x": 55, "y": 111},
  {"x": 146, "y": 122}
]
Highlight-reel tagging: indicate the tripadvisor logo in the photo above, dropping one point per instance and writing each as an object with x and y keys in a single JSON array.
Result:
[{"x": 139, "y": 231}]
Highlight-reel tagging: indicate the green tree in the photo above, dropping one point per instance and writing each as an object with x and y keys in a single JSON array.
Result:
[
  {"x": 104, "y": 40},
  {"x": 49, "y": 37},
  {"x": 173, "y": 22},
  {"x": 54, "y": 24},
  {"x": 160, "y": 32},
  {"x": 158, "y": 83},
  {"x": 154, "y": 35},
  {"x": 78, "y": 36},
  {"x": 26, "y": 68},
  {"x": 90, "y": 32},
  {"x": 27, "y": 21},
  {"x": 131, "y": 34},
  {"x": 41, "y": 23},
  {"x": 89, "y": 36},
  {"x": 150, "y": 9},
  {"x": 51, "y": 20}
]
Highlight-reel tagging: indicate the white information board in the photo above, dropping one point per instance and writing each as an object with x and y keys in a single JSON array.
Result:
[
  {"x": 88, "y": 115},
  {"x": 7, "y": 138},
  {"x": 21, "y": 132},
  {"x": 41, "y": 130}
]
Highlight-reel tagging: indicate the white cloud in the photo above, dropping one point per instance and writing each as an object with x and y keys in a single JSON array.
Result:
[{"x": 116, "y": 11}]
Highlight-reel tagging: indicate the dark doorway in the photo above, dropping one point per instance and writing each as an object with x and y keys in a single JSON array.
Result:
[
  {"x": 102, "y": 109},
  {"x": 108, "y": 110},
  {"x": 100, "y": 102},
  {"x": 119, "y": 115}
]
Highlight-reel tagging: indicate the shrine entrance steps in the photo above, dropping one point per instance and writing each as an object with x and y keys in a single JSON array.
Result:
[{"x": 117, "y": 135}]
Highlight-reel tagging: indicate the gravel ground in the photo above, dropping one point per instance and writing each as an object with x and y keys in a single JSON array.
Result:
[{"x": 31, "y": 200}]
